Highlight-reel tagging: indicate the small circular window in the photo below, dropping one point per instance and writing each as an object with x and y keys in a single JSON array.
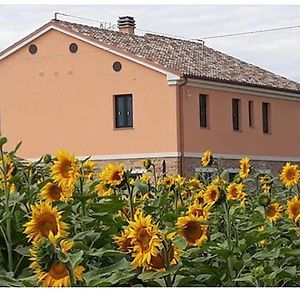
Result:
[
  {"x": 73, "y": 48},
  {"x": 117, "y": 66},
  {"x": 33, "y": 49}
]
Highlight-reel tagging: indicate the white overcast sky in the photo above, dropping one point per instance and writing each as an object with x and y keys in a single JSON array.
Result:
[{"x": 277, "y": 51}]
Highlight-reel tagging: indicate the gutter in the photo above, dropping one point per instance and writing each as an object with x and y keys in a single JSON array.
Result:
[{"x": 181, "y": 124}]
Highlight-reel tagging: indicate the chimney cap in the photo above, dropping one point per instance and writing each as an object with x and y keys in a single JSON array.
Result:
[{"x": 126, "y": 21}]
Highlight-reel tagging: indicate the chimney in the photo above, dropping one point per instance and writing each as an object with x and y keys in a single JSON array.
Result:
[{"x": 126, "y": 24}]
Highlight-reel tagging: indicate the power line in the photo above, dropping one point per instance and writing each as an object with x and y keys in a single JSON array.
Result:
[{"x": 248, "y": 32}]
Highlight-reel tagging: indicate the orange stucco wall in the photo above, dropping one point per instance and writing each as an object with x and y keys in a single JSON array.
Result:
[
  {"x": 55, "y": 99},
  {"x": 219, "y": 137}
]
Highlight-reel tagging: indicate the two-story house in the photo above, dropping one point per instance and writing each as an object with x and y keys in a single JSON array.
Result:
[{"x": 121, "y": 97}]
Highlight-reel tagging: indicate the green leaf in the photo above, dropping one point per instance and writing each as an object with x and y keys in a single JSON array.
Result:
[
  {"x": 152, "y": 275},
  {"x": 76, "y": 258},
  {"x": 106, "y": 253},
  {"x": 23, "y": 250},
  {"x": 216, "y": 235},
  {"x": 180, "y": 242}
]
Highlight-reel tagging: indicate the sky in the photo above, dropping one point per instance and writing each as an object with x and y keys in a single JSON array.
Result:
[{"x": 277, "y": 51}]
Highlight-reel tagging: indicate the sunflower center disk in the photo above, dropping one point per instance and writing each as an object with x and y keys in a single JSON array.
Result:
[
  {"x": 192, "y": 232},
  {"x": 116, "y": 176},
  {"x": 290, "y": 174},
  {"x": 58, "y": 270},
  {"x": 46, "y": 224},
  {"x": 144, "y": 239},
  {"x": 65, "y": 168},
  {"x": 55, "y": 192}
]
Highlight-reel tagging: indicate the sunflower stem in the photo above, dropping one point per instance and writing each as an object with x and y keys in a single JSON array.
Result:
[
  {"x": 71, "y": 274},
  {"x": 229, "y": 242},
  {"x": 7, "y": 213},
  {"x": 168, "y": 279}
]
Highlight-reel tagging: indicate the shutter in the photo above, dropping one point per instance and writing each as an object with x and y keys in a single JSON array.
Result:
[
  {"x": 235, "y": 114},
  {"x": 265, "y": 115}
]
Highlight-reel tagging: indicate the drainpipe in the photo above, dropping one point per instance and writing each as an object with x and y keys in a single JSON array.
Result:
[{"x": 181, "y": 124}]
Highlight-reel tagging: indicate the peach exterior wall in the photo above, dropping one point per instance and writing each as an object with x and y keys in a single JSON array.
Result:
[
  {"x": 48, "y": 108},
  {"x": 219, "y": 137}
]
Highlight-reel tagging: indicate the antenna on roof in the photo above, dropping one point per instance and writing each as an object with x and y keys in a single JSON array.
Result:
[{"x": 102, "y": 25}]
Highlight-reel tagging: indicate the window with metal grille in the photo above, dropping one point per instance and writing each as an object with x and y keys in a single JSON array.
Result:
[
  {"x": 123, "y": 111},
  {"x": 203, "y": 110},
  {"x": 236, "y": 114},
  {"x": 266, "y": 117}
]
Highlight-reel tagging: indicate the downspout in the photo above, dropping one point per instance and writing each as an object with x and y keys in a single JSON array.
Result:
[{"x": 181, "y": 124}]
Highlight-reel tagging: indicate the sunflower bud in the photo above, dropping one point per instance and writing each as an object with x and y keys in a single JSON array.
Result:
[
  {"x": 264, "y": 199},
  {"x": 47, "y": 158},
  {"x": 258, "y": 272},
  {"x": 3, "y": 140},
  {"x": 147, "y": 163}
]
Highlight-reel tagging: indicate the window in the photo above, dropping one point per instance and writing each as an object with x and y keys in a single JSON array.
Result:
[
  {"x": 250, "y": 111},
  {"x": 235, "y": 114},
  {"x": 123, "y": 111},
  {"x": 203, "y": 111},
  {"x": 266, "y": 117},
  {"x": 206, "y": 173}
]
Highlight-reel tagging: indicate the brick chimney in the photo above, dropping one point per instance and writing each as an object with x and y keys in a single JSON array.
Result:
[{"x": 126, "y": 24}]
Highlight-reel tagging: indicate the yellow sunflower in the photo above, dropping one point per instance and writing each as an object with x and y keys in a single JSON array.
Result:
[
  {"x": 65, "y": 170},
  {"x": 145, "y": 240},
  {"x": 123, "y": 241},
  {"x": 194, "y": 184},
  {"x": 245, "y": 167},
  {"x": 293, "y": 209},
  {"x": 212, "y": 194},
  {"x": 44, "y": 219},
  {"x": 88, "y": 169},
  {"x": 199, "y": 210},
  {"x": 206, "y": 159},
  {"x": 145, "y": 178},
  {"x": 273, "y": 212},
  {"x": 290, "y": 174},
  {"x": 103, "y": 189},
  {"x": 192, "y": 230},
  {"x": 199, "y": 197},
  {"x": 48, "y": 269},
  {"x": 112, "y": 174},
  {"x": 235, "y": 191},
  {"x": 9, "y": 168},
  {"x": 54, "y": 192}
]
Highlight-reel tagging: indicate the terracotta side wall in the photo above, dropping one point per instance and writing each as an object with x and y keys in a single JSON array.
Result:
[
  {"x": 219, "y": 137},
  {"x": 55, "y": 99}
]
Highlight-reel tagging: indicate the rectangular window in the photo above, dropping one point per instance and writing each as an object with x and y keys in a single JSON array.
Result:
[
  {"x": 250, "y": 110},
  {"x": 203, "y": 110},
  {"x": 236, "y": 114},
  {"x": 123, "y": 111},
  {"x": 266, "y": 117}
]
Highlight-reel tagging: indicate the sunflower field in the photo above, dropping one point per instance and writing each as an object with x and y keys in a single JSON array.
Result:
[{"x": 67, "y": 223}]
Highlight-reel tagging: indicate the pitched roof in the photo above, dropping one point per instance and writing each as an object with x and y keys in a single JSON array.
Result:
[{"x": 190, "y": 59}]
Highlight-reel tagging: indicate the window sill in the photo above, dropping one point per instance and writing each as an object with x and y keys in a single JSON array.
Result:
[{"x": 123, "y": 128}]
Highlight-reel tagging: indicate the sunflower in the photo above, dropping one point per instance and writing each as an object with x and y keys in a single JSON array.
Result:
[
  {"x": 290, "y": 174},
  {"x": 47, "y": 267},
  {"x": 199, "y": 197},
  {"x": 65, "y": 169},
  {"x": 103, "y": 189},
  {"x": 192, "y": 230},
  {"x": 212, "y": 194},
  {"x": 199, "y": 210},
  {"x": 235, "y": 191},
  {"x": 145, "y": 178},
  {"x": 123, "y": 241},
  {"x": 194, "y": 184},
  {"x": 112, "y": 174},
  {"x": 88, "y": 169},
  {"x": 145, "y": 240},
  {"x": 9, "y": 168},
  {"x": 54, "y": 192},
  {"x": 206, "y": 159},
  {"x": 293, "y": 209},
  {"x": 44, "y": 219},
  {"x": 273, "y": 212},
  {"x": 245, "y": 167}
]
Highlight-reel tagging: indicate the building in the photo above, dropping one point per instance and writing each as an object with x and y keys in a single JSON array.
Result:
[{"x": 118, "y": 96}]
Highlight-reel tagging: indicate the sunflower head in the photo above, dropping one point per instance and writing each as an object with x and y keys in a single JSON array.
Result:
[
  {"x": 212, "y": 194},
  {"x": 293, "y": 209},
  {"x": 290, "y": 174},
  {"x": 199, "y": 197},
  {"x": 145, "y": 238},
  {"x": 123, "y": 241},
  {"x": 207, "y": 159},
  {"x": 88, "y": 168},
  {"x": 194, "y": 184},
  {"x": 44, "y": 219},
  {"x": 112, "y": 174},
  {"x": 65, "y": 170},
  {"x": 245, "y": 167},
  {"x": 48, "y": 268},
  {"x": 103, "y": 189},
  {"x": 273, "y": 212},
  {"x": 54, "y": 192},
  {"x": 199, "y": 210},
  {"x": 192, "y": 230},
  {"x": 235, "y": 191}
]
